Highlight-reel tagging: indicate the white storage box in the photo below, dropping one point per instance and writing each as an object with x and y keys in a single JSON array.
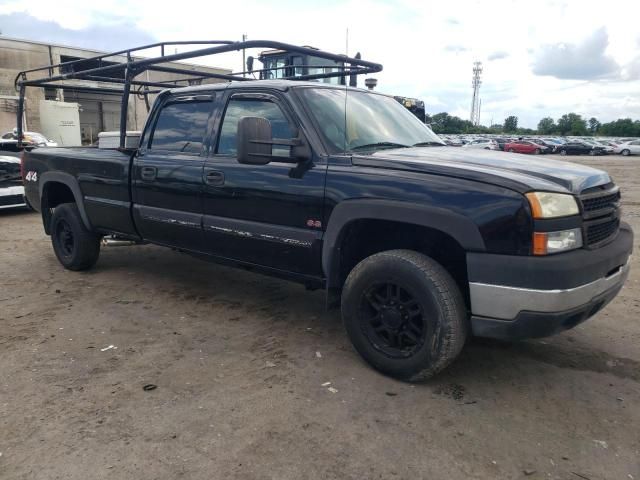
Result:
[{"x": 112, "y": 139}]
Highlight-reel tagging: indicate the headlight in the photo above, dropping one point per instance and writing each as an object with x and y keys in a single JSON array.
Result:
[
  {"x": 552, "y": 205},
  {"x": 546, "y": 243}
]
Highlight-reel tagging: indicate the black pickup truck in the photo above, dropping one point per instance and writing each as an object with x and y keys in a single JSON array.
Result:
[{"x": 343, "y": 189}]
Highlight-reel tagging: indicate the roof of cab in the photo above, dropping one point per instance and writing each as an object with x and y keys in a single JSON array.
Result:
[{"x": 282, "y": 85}]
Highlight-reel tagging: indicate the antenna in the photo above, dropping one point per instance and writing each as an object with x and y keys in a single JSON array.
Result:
[{"x": 475, "y": 101}]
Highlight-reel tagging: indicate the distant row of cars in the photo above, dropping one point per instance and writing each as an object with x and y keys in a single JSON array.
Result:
[{"x": 536, "y": 146}]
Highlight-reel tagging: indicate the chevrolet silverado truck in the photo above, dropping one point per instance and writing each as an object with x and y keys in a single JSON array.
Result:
[{"x": 344, "y": 189}]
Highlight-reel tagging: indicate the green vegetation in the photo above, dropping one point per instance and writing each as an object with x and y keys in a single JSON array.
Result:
[{"x": 568, "y": 124}]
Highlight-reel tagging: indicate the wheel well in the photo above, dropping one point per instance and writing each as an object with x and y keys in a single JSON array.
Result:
[
  {"x": 363, "y": 238},
  {"x": 54, "y": 194}
]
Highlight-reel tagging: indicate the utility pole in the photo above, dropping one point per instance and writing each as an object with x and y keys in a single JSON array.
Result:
[
  {"x": 244, "y": 56},
  {"x": 475, "y": 101}
]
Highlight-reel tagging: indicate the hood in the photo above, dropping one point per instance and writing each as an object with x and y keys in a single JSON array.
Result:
[
  {"x": 520, "y": 172},
  {"x": 9, "y": 171}
]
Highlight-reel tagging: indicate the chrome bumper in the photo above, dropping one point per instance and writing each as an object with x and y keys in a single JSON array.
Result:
[
  {"x": 10, "y": 192},
  {"x": 505, "y": 303}
]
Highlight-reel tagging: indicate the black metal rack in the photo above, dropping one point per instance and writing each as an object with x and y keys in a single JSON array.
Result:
[{"x": 108, "y": 73}]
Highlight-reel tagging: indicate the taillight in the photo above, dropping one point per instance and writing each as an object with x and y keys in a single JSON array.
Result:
[{"x": 24, "y": 152}]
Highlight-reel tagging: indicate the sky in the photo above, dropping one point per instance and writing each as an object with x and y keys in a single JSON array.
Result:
[{"x": 540, "y": 58}]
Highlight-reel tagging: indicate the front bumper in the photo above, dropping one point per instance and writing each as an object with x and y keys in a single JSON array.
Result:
[
  {"x": 521, "y": 297},
  {"x": 11, "y": 197}
]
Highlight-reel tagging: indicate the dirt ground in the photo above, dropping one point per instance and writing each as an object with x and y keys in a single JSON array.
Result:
[{"x": 239, "y": 361}]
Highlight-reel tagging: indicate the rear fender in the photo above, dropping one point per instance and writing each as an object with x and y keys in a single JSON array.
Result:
[{"x": 71, "y": 182}]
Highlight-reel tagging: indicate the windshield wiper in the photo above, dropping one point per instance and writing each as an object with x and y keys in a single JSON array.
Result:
[
  {"x": 371, "y": 146},
  {"x": 429, "y": 144}
]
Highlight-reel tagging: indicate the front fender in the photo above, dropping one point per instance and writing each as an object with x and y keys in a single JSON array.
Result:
[{"x": 457, "y": 226}]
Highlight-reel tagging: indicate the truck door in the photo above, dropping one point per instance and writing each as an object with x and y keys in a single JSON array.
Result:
[
  {"x": 268, "y": 215},
  {"x": 167, "y": 173}
]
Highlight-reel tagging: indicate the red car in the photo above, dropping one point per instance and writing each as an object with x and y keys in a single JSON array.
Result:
[{"x": 524, "y": 146}]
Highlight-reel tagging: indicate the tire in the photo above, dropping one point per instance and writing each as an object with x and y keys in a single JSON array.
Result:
[
  {"x": 563, "y": 152},
  {"x": 625, "y": 152},
  {"x": 511, "y": 150},
  {"x": 593, "y": 153},
  {"x": 536, "y": 151},
  {"x": 406, "y": 298},
  {"x": 76, "y": 247}
]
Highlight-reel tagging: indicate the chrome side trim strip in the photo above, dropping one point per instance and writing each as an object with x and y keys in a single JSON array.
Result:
[{"x": 504, "y": 302}]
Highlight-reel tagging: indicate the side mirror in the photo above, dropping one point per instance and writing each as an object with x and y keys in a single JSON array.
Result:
[
  {"x": 255, "y": 143},
  {"x": 254, "y": 140}
]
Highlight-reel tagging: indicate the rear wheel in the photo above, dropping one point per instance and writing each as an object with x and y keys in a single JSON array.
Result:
[
  {"x": 592, "y": 152},
  {"x": 625, "y": 152},
  {"x": 76, "y": 247},
  {"x": 404, "y": 314},
  {"x": 563, "y": 152},
  {"x": 511, "y": 150},
  {"x": 537, "y": 151}
]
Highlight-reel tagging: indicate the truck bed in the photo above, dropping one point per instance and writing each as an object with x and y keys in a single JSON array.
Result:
[{"x": 99, "y": 176}]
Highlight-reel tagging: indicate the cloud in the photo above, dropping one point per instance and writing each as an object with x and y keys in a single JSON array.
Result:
[
  {"x": 455, "y": 48},
  {"x": 631, "y": 71},
  {"x": 499, "y": 55},
  {"x": 112, "y": 34},
  {"x": 584, "y": 61}
]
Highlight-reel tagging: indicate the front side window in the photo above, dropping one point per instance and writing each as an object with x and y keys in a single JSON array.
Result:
[
  {"x": 248, "y": 107},
  {"x": 181, "y": 126}
]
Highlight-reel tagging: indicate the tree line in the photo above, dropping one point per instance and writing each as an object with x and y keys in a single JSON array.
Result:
[{"x": 568, "y": 124}]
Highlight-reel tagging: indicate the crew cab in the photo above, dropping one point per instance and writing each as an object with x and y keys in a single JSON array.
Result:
[{"x": 344, "y": 189}]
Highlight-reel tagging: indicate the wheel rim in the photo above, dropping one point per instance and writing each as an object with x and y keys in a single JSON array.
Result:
[
  {"x": 393, "y": 320},
  {"x": 64, "y": 234},
  {"x": 563, "y": 152},
  {"x": 625, "y": 152}
]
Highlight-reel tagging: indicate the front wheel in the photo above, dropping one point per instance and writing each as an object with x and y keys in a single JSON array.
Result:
[
  {"x": 536, "y": 151},
  {"x": 563, "y": 152},
  {"x": 404, "y": 314},
  {"x": 76, "y": 247},
  {"x": 625, "y": 152},
  {"x": 511, "y": 150},
  {"x": 593, "y": 153}
]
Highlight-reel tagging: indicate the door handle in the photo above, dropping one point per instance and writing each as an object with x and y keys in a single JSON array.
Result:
[
  {"x": 213, "y": 177},
  {"x": 148, "y": 173}
]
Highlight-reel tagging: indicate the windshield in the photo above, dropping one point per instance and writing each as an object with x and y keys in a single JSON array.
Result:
[{"x": 370, "y": 122}]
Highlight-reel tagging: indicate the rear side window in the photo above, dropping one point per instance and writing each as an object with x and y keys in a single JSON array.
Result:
[
  {"x": 243, "y": 107},
  {"x": 181, "y": 125}
]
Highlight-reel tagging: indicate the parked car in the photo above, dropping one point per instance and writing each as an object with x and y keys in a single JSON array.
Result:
[
  {"x": 525, "y": 146},
  {"x": 628, "y": 148},
  {"x": 483, "y": 143},
  {"x": 9, "y": 141},
  {"x": 11, "y": 186},
  {"x": 540, "y": 141},
  {"x": 594, "y": 143},
  {"x": 579, "y": 148},
  {"x": 502, "y": 142},
  {"x": 344, "y": 189}
]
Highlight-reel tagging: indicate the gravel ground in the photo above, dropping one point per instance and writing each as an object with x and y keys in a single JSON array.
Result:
[{"x": 241, "y": 362}]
